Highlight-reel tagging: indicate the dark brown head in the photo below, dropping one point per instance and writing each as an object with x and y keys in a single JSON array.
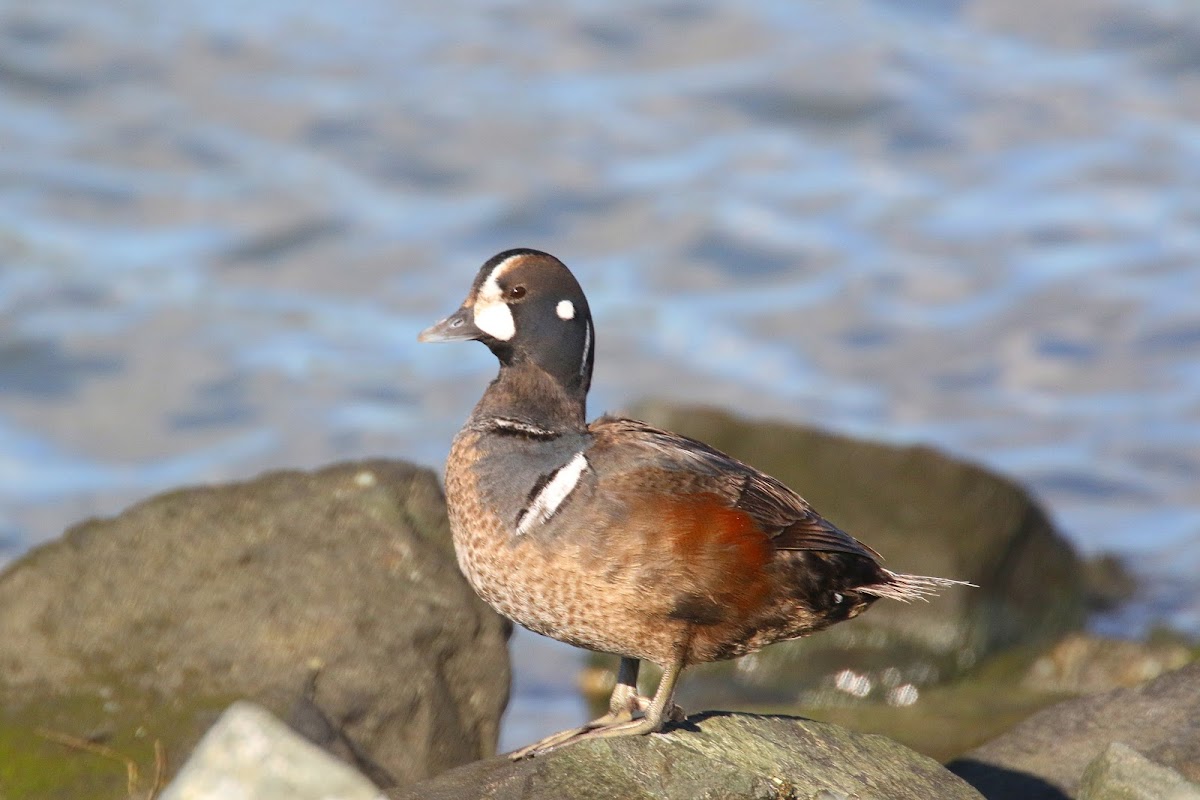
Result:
[{"x": 527, "y": 307}]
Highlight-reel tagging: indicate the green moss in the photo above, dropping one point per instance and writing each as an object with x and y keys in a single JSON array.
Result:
[{"x": 50, "y": 743}]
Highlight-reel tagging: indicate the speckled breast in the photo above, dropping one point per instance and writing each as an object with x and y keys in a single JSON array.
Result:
[{"x": 544, "y": 585}]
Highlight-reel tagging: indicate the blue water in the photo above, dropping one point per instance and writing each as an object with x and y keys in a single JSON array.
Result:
[{"x": 974, "y": 224}]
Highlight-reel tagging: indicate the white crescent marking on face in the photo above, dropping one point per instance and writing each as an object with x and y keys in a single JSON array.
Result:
[
  {"x": 565, "y": 310},
  {"x": 492, "y": 314},
  {"x": 552, "y": 495}
]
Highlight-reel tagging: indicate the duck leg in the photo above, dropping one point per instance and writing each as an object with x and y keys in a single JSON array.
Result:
[
  {"x": 620, "y": 723},
  {"x": 624, "y": 702},
  {"x": 625, "y": 698},
  {"x": 661, "y": 709}
]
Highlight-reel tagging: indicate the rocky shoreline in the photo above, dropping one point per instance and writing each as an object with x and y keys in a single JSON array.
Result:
[{"x": 309, "y": 635}]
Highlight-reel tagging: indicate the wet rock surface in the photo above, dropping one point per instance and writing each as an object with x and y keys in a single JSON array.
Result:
[
  {"x": 713, "y": 755},
  {"x": 331, "y": 597},
  {"x": 1045, "y": 757}
]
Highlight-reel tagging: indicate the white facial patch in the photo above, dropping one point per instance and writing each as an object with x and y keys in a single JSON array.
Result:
[
  {"x": 552, "y": 495},
  {"x": 492, "y": 314},
  {"x": 565, "y": 310},
  {"x": 495, "y": 319}
]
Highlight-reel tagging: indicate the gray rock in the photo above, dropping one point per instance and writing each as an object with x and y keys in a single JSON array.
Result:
[
  {"x": 250, "y": 755},
  {"x": 331, "y": 597},
  {"x": 1044, "y": 757},
  {"x": 710, "y": 757},
  {"x": 1122, "y": 773},
  {"x": 1084, "y": 664},
  {"x": 927, "y": 513},
  {"x": 1110, "y": 582}
]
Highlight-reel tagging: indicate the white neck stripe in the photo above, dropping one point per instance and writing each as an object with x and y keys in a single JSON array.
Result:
[{"x": 587, "y": 345}]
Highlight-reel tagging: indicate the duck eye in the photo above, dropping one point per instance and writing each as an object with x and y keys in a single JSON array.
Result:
[{"x": 516, "y": 292}]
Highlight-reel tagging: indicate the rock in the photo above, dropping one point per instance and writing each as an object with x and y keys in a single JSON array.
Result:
[
  {"x": 1122, "y": 773},
  {"x": 1084, "y": 664},
  {"x": 1044, "y": 757},
  {"x": 332, "y": 597},
  {"x": 927, "y": 513},
  {"x": 1109, "y": 582},
  {"x": 714, "y": 755},
  {"x": 250, "y": 754}
]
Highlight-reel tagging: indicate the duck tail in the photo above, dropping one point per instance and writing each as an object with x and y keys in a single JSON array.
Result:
[{"x": 907, "y": 588}]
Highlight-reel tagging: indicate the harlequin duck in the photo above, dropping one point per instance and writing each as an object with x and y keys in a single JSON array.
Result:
[{"x": 615, "y": 535}]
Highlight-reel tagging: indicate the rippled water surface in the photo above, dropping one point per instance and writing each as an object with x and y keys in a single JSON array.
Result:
[{"x": 969, "y": 223}]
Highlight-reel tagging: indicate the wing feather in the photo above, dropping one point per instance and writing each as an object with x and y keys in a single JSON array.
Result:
[{"x": 785, "y": 516}]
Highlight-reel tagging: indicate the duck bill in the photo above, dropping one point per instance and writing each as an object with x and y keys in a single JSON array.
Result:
[{"x": 458, "y": 327}]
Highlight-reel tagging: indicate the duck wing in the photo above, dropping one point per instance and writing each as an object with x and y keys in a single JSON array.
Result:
[{"x": 785, "y": 517}]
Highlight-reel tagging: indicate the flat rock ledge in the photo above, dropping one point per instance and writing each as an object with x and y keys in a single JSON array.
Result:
[{"x": 712, "y": 756}]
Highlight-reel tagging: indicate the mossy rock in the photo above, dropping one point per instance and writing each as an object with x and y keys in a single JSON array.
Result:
[{"x": 332, "y": 598}]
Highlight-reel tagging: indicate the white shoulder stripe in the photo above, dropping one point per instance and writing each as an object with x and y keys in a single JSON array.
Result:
[{"x": 552, "y": 495}]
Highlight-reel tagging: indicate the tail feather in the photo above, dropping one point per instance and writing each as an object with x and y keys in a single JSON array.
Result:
[{"x": 907, "y": 588}]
